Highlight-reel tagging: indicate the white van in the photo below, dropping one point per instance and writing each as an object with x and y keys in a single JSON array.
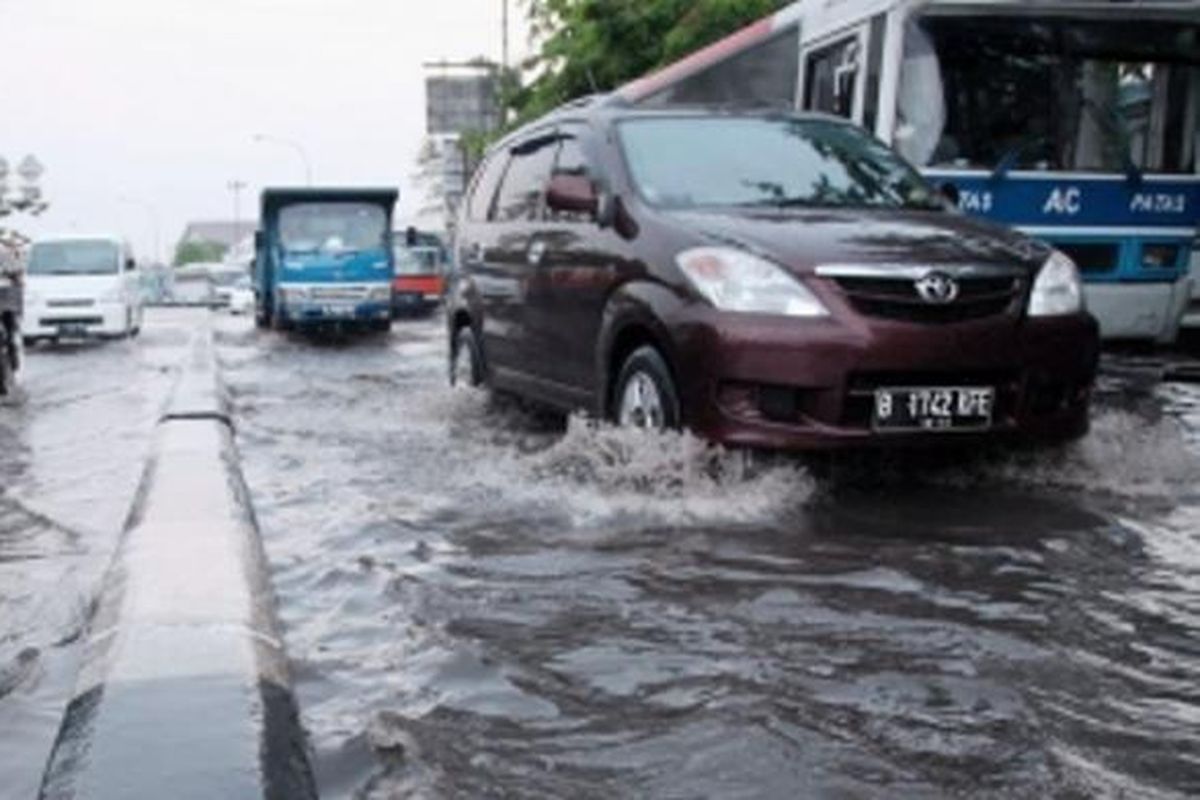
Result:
[{"x": 81, "y": 286}]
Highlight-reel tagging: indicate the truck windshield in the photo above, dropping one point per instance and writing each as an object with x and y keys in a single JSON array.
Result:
[
  {"x": 76, "y": 257},
  {"x": 766, "y": 161},
  {"x": 417, "y": 260},
  {"x": 1050, "y": 93},
  {"x": 332, "y": 227}
]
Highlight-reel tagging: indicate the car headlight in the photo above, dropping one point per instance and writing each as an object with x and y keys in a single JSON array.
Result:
[
  {"x": 113, "y": 295},
  {"x": 734, "y": 280},
  {"x": 1057, "y": 289},
  {"x": 293, "y": 293},
  {"x": 380, "y": 293}
]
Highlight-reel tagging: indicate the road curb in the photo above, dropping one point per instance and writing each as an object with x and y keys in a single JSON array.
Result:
[{"x": 184, "y": 690}]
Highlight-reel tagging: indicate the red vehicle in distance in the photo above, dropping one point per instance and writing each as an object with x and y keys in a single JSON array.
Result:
[{"x": 419, "y": 280}]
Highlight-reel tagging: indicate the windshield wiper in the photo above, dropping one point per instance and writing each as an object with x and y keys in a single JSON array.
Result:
[{"x": 781, "y": 202}]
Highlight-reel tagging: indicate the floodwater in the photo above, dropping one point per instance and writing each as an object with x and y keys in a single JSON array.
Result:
[
  {"x": 73, "y": 443},
  {"x": 482, "y": 602}
]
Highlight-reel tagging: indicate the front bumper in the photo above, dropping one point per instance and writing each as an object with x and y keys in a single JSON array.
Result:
[
  {"x": 778, "y": 383},
  {"x": 98, "y": 319}
]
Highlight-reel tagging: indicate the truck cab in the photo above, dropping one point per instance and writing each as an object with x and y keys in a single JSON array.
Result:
[{"x": 323, "y": 259}]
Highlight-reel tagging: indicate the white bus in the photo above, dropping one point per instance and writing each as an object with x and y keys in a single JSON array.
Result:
[{"x": 1073, "y": 121}]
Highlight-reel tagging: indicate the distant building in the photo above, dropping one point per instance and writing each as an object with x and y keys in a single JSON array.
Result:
[{"x": 226, "y": 233}]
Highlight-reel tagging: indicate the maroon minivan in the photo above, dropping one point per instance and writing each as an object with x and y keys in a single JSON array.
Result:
[{"x": 764, "y": 279}]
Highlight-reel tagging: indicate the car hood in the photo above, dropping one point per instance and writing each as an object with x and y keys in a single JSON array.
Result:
[{"x": 805, "y": 239}]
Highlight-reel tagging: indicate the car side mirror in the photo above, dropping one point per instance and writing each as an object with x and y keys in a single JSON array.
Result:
[
  {"x": 130, "y": 265},
  {"x": 572, "y": 193}
]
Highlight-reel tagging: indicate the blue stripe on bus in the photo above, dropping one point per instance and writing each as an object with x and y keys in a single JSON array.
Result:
[{"x": 1163, "y": 210}]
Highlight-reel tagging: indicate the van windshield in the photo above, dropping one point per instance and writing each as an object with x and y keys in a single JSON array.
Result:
[
  {"x": 766, "y": 161},
  {"x": 76, "y": 257},
  {"x": 332, "y": 227}
]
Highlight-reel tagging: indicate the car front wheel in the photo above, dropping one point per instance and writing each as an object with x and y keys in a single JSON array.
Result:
[{"x": 645, "y": 395}]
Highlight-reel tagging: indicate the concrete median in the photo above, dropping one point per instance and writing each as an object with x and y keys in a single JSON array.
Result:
[{"x": 184, "y": 690}]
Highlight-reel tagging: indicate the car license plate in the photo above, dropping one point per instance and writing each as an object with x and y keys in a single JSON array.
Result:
[
  {"x": 942, "y": 408},
  {"x": 337, "y": 310}
]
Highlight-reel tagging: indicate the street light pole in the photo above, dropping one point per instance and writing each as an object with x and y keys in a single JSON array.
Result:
[
  {"x": 152, "y": 213},
  {"x": 294, "y": 145}
]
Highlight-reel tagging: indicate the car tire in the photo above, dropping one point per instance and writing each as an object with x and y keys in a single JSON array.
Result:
[
  {"x": 8, "y": 366},
  {"x": 644, "y": 395},
  {"x": 466, "y": 362}
]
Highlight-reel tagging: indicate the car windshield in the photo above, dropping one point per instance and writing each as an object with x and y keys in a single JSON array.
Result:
[
  {"x": 332, "y": 227},
  {"x": 416, "y": 260},
  {"x": 76, "y": 257},
  {"x": 1050, "y": 94},
  {"x": 762, "y": 161}
]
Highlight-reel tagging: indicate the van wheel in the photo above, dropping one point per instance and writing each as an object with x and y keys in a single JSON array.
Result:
[
  {"x": 645, "y": 395},
  {"x": 466, "y": 367}
]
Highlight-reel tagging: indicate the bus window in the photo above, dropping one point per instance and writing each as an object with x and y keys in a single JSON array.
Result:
[
  {"x": 1046, "y": 93},
  {"x": 831, "y": 77},
  {"x": 761, "y": 75}
]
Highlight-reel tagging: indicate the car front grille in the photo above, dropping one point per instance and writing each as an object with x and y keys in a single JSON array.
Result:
[
  {"x": 69, "y": 321},
  {"x": 71, "y": 303},
  {"x": 338, "y": 293},
  {"x": 896, "y": 298}
]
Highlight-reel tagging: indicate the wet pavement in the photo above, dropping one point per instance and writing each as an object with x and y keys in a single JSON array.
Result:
[
  {"x": 479, "y": 602},
  {"x": 73, "y": 443}
]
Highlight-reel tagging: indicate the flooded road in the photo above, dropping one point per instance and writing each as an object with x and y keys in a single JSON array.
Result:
[
  {"x": 479, "y": 603},
  {"x": 73, "y": 443},
  {"x": 483, "y": 602}
]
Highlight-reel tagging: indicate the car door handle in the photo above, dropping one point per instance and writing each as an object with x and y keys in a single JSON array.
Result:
[{"x": 537, "y": 251}]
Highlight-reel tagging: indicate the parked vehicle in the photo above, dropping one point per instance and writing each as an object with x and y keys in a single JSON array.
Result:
[
  {"x": 224, "y": 279},
  {"x": 767, "y": 280},
  {"x": 324, "y": 259},
  {"x": 420, "y": 272},
  {"x": 11, "y": 304},
  {"x": 241, "y": 296},
  {"x": 81, "y": 286},
  {"x": 1072, "y": 121},
  {"x": 192, "y": 284}
]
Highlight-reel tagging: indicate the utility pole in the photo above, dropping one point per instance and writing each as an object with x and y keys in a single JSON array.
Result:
[{"x": 504, "y": 36}]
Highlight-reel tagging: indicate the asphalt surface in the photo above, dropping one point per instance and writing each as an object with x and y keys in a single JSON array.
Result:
[{"x": 482, "y": 602}]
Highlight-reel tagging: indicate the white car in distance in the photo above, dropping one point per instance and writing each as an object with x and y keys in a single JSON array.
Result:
[{"x": 81, "y": 287}]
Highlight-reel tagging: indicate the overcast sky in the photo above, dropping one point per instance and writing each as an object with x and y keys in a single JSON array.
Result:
[{"x": 158, "y": 100}]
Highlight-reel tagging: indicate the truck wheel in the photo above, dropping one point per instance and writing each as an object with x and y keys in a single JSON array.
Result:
[{"x": 645, "y": 395}]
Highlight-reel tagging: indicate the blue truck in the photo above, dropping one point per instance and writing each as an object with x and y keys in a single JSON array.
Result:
[{"x": 324, "y": 260}]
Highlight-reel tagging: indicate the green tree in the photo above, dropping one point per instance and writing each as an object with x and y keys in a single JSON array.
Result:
[
  {"x": 193, "y": 252},
  {"x": 596, "y": 45}
]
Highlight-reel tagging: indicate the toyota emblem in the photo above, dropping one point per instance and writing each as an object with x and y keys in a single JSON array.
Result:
[{"x": 937, "y": 288}]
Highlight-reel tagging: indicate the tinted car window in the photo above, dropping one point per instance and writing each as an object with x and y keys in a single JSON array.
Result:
[
  {"x": 485, "y": 187},
  {"x": 766, "y": 161},
  {"x": 571, "y": 161},
  {"x": 525, "y": 180}
]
